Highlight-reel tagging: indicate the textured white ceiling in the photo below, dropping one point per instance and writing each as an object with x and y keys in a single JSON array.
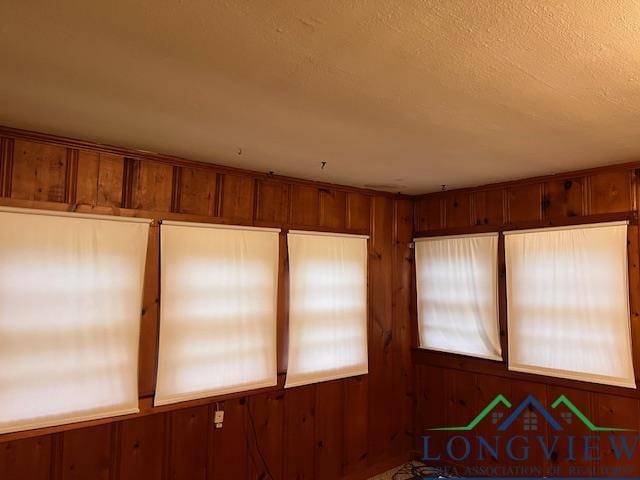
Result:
[{"x": 405, "y": 95}]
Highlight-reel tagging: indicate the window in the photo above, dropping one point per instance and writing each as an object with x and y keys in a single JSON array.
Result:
[
  {"x": 568, "y": 305},
  {"x": 70, "y": 299},
  {"x": 456, "y": 282},
  {"x": 328, "y": 307},
  {"x": 218, "y": 310}
]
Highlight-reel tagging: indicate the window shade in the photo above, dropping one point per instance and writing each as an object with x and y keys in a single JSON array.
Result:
[
  {"x": 568, "y": 305},
  {"x": 218, "y": 310},
  {"x": 456, "y": 283},
  {"x": 70, "y": 299},
  {"x": 328, "y": 307}
]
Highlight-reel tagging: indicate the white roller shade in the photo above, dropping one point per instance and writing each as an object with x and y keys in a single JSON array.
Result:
[
  {"x": 328, "y": 307},
  {"x": 457, "y": 293},
  {"x": 70, "y": 300},
  {"x": 568, "y": 304},
  {"x": 218, "y": 310}
]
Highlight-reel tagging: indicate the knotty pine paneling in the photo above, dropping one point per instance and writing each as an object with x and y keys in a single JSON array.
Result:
[
  {"x": 87, "y": 453},
  {"x": 457, "y": 209},
  {"x": 228, "y": 456},
  {"x": 265, "y": 418},
  {"x": 236, "y": 197},
  {"x": 305, "y": 205},
  {"x": 333, "y": 209},
  {"x": 488, "y": 207},
  {"x": 428, "y": 213},
  {"x": 381, "y": 341},
  {"x": 524, "y": 203},
  {"x": 273, "y": 202},
  {"x": 197, "y": 191},
  {"x": 189, "y": 443},
  {"x": 299, "y": 432},
  {"x": 324, "y": 431},
  {"x": 611, "y": 192},
  {"x": 99, "y": 179},
  {"x": 564, "y": 198},
  {"x": 151, "y": 185},
  {"x": 141, "y": 448},
  {"x": 38, "y": 171},
  {"x": 328, "y": 435},
  {"x": 28, "y": 459},
  {"x": 358, "y": 211}
]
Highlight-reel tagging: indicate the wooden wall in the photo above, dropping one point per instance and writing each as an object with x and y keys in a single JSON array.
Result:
[
  {"x": 342, "y": 429},
  {"x": 452, "y": 389}
]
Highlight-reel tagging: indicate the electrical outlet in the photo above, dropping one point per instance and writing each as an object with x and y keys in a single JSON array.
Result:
[{"x": 218, "y": 416}]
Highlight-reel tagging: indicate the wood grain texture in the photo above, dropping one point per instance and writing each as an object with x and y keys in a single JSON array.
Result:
[
  {"x": 87, "y": 453},
  {"x": 457, "y": 209},
  {"x": 305, "y": 205},
  {"x": 358, "y": 211},
  {"x": 28, "y": 459},
  {"x": 273, "y": 202},
  {"x": 151, "y": 185},
  {"x": 188, "y": 444},
  {"x": 488, "y": 207},
  {"x": 38, "y": 172},
  {"x": 333, "y": 209},
  {"x": 381, "y": 341},
  {"x": 564, "y": 198},
  {"x": 228, "y": 451},
  {"x": 236, "y": 197},
  {"x": 299, "y": 433},
  {"x": 142, "y": 448},
  {"x": 265, "y": 416},
  {"x": 611, "y": 192},
  {"x": 524, "y": 203},
  {"x": 329, "y": 430},
  {"x": 149, "y": 319},
  {"x": 197, "y": 191}
]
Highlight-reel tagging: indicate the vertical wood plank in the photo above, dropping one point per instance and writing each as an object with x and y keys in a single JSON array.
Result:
[
  {"x": 564, "y": 198},
  {"x": 141, "y": 448},
  {"x": 265, "y": 415},
  {"x": 228, "y": 453},
  {"x": 151, "y": 185},
  {"x": 611, "y": 192},
  {"x": 457, "y": 208},
  {"x": 358, "y": 211},
  {"x": 428, "y": 213},
  {"x": 402, "y": 315},
  {"x": 6, "y": 165},
  {"x": 488, "y": 207},
  {"x": 305, "y": 205},
  {"x": 333, "y": 209},
  {"x": 381, "y": 341},
  {"x": 273, "y": 202},
  {"x": 39, "y": 172},
  {"x": 355, "y": 424},
  {"x": 28, "y": 459},
  {"x": 617, "y": 412},
  {"x": 524, "y": 203},
  {"x": 329, "y": 428},
  {"x": 197, "y": 191},
  {"x": 188, "y": 452},
  {"x": 299, "y": 433},
  {"x": 236, "y": 200},
  {"x": 87, "y": 453},
  {"x": 150, "y": 316}
]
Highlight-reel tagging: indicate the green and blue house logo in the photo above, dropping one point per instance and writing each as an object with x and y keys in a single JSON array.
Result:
[{"x": 538, "y": 428}]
